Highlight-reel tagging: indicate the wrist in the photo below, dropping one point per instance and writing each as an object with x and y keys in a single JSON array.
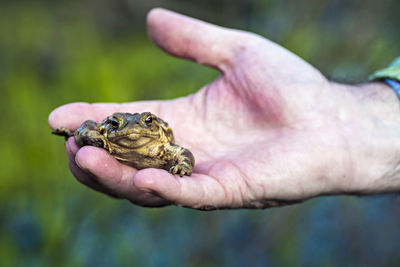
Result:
[{"x": 373, "y": 136}]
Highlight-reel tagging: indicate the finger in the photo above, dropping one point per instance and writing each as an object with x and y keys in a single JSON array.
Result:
[
  {"x": 72, "y": 115},
  {"x": 193, "y": 39},
  {"x": 117, "y": 178},
  {"x": 71, "y": 148},
  {"x": 83, "y": 177},
  {"x": 197, "y": 191},
  {"x": 88, "y": 179},
  {"x": 91, "y": 181}
]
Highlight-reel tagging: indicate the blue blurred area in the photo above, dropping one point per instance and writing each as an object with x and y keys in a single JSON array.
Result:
[{"x": 52, "y": 53}]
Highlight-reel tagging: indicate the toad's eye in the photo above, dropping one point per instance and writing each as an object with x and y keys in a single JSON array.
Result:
[
  {"x": 114, "y": 122},
  {"x": 148, "y": 120}
]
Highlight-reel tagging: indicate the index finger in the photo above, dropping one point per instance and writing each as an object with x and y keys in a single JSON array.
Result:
[{"x": 72, "y": 115}]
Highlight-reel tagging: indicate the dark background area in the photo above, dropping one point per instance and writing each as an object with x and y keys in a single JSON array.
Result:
[{"x": 56, "y": 52}]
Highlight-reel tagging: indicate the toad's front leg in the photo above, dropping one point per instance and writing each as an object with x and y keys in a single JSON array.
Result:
[
  {"x": 89, "y": 134},
  {"x": 62, "y": 131},
  {"x": 183, "y": 161}
]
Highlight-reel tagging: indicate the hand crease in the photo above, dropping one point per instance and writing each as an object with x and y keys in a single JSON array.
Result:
[{"x": 246, "y": 185}]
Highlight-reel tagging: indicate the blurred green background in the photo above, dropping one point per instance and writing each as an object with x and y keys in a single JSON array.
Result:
[{"x": 56, "y": 52}]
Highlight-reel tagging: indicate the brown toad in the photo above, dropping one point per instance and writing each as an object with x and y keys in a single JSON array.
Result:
[{"x": 139, "y": 140}]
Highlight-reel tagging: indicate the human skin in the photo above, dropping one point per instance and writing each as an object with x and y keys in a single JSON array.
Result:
[{"x": 270, "y": 130}]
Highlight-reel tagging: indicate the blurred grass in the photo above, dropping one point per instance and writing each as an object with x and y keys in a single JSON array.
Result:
[
  {"x": 52, "y": 53},
  {"x": 46, "y": 67}
]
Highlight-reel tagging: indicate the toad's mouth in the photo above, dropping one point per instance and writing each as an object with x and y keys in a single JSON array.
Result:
[
  {"x": 129, "y": 132},
  {"x": 114, "y": 140}
]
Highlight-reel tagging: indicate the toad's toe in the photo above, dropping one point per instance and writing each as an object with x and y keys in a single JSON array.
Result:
[{"x": 180, "y": 169}]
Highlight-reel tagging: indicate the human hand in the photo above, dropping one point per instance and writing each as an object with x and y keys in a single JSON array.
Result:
[{"x": 271, "y": 130}]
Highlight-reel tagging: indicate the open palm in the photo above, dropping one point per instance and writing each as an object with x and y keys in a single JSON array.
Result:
[{"x": 262, "y": 134}]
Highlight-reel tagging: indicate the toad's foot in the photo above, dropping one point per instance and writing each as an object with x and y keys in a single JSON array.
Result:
[
  {"x": 183, "y": 161},
  {"x": 181, "y": 169},
  {"x": 62, "y": 131}
]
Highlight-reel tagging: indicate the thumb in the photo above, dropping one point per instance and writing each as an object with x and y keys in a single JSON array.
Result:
[{"x": 193, "y": 39}]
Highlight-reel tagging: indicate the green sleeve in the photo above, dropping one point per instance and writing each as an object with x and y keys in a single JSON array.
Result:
[{"x": 393, "y": 71}]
